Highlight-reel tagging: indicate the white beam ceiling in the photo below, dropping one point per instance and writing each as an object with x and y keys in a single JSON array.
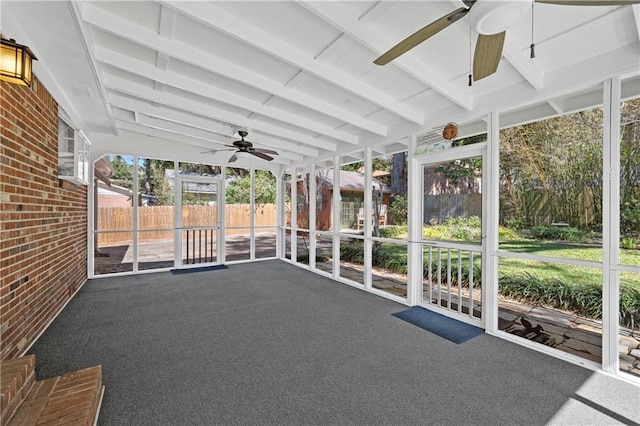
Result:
[
  {"x": 222, "y": 21},
  {"x": 339, "y": 17},
  {"x": 196, "y": 87},
  {"x": 196, "y": 107},
  {"x": 298, "y": 75},
  {"x": 192, "y": 55}
]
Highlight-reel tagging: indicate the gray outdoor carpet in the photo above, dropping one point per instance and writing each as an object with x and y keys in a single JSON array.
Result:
[{"x": 270, "y": 343}]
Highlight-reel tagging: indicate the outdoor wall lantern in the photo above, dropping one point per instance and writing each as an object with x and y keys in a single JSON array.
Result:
[{"x": 15, "y": 63}]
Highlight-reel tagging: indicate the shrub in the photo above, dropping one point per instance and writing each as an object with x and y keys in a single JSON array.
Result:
[
  {"x": 583, "y": 298},
  {"x": 353, "y": 251},
  {"x": 463, "y": 233},
  {"x": 455, "y": 228},
  {"x": 505, "y": 234},
  {"x": 393, "y": 231},
  {"x": 630, "y": 215},
  {"x": 471, "y": 221},
  {"x": 628, "y": 243},
  {"x": 573, "y": 235},
  {"x": 399, "y": 210},
  {"x": 516, "y": 224}
]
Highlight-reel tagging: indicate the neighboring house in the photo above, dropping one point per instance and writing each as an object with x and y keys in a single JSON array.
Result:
[
  {"x": 352, "y": 196},
  {"x": 109, "y": 195},
  {"x": 113, "y": 196}
]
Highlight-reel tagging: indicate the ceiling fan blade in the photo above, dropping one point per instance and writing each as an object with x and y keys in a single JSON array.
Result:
[
  {"x": 266, "y": 151},
  {"x": 217, "y": 150},
  {"x": 421, "y": 35},
  {"x": 487, "y": 55},
  {"x": 589, "y": 2},
  {"x": 260, "y": 155},
  {"x": 233, "y": 158}
]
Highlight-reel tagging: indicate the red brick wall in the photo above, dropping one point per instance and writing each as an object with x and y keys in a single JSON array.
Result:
[{"x": 43, "y": 225}]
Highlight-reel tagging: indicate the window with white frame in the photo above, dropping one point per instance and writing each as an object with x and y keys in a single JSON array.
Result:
[{"x": 73, "y": 154}]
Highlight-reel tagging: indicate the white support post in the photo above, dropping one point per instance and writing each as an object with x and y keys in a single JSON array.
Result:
[
  {"x": 491, "y": 220},
  {"x": 280, "y": 199},
  {"x": 135, "y": 200},
  {"x": 414, "y": 219},
  {"x": 252, "y": 216},
  {"x": 294, "y": 215},
  {"x": 312, "y": 216},
  {"x": 611, "y": 224},
  {"x": 368, "y": 207},
  {"x": 221, "y": 220},
  {"x": 337, "y": 218},
  {"x": 92, "y": 198},
  {"x": 177, "y": 219}
]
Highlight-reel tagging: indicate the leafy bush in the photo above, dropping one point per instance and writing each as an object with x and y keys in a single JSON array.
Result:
[
  {"x": 583, "y": 298},
  {"x": 393, "y": 231},
  {"x": 462, "y": 233},
  {"x": 630, "y": 215},
  {"x": 629, "y": 243},
  {"x": 505, "y": 234},
  {"x": 437, "y": 232},
  {"x": 399, "y": 210},
  {"x": 396, "y": 262},
  {"x": 353, "y": 251},
  {"x": 455, "y": 228},
  {"x": 392, "y": 261},
  {"x": 517, "y": 223},
  {"x": 573, "y": 235},
  {"x": 471, "y": 221}
]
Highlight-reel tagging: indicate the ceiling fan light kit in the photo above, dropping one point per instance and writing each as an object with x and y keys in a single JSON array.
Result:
[
  {"x": 242, "y": 154},
  {"x": 493, "y": 17}
]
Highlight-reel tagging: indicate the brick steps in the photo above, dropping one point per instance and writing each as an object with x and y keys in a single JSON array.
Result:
[
  {"x": 17, "y": 377},
  {"x": 73, "y": 398}
]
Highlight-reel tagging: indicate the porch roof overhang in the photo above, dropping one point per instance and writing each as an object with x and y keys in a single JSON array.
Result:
[{"x": 172, "y": 80}]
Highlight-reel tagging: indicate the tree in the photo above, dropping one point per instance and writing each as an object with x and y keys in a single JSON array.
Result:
[
  {"x": 399, "y": 173},
  {"x": 238, "y": 190},
  {"x": 551, "y": 171},
  {"x": 123, "y": 171},
  {"x": 630, "y": 168}
]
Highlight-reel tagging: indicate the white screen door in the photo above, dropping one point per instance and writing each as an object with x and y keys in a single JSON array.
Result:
[
  {"x": 453, "y": 230},
  {"x": 198, "y": 233}
]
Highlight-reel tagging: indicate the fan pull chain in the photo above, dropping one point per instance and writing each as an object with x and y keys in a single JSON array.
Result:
[
  {"x": 533, "y": 45},
  {"x": 470, "y": 59}
]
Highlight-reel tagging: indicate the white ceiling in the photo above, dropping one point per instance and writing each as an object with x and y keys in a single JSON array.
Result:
[{"x": 173, "y": 79}]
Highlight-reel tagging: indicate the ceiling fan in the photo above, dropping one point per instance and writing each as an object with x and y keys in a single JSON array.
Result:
[
  {"x": 245, "y": 147},
  {"x": 491, "y": 19}
]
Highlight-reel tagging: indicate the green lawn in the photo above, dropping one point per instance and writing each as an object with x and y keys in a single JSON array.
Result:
[{"x": 569, "y": 273}]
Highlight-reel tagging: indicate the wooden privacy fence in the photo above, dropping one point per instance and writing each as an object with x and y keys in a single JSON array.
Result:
[
  {"x": 438, "y": 208},
  {"x": 160, "y": 219}
]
